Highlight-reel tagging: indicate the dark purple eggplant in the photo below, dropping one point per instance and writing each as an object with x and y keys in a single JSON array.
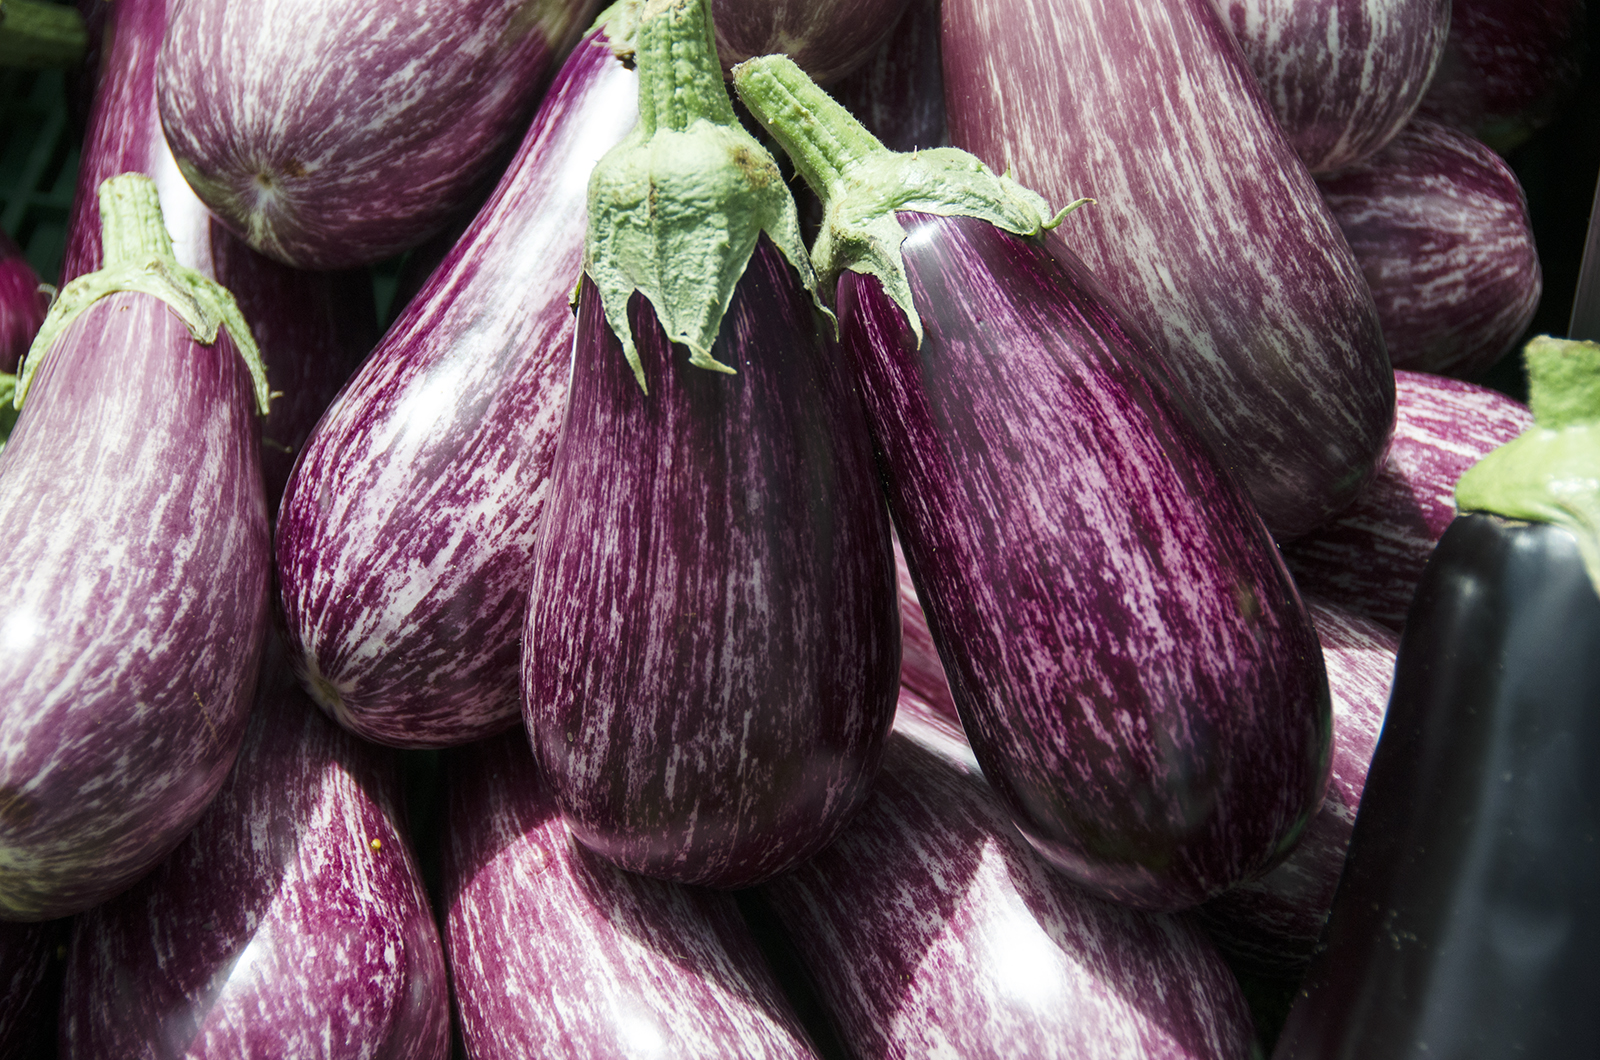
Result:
[
  {"x": 330, "y": 135},
  {"x": 1206, "y": 226},
  {"x": 291, "y": 922},
  {"x": 931, "y": 929},
  {"x": 828, "y": 38},
  {"x": 1507, "y": 68},
  {"x": 137, "y": 563},
  {"x": 549, "y": 944},
  {"x": 404, "y": 541},
  {"x": 1270, "y": 925},
  {"x": 1440, "y": 226},
  {"x": 710, "y": 659},
  {"x": 921, "y": 671},
  {"x": 1130, "y": 659},
  {"x": 1343, "y": 77},
  {"x": 898, "y": 94},
  {"x": 1369, "y": 559},
  {"x": 22, "y": 305}
]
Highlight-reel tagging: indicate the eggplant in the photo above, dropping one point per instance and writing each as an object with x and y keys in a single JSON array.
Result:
[
  {"x": 1269, "y": 926},
  {"x": 1370, "y": 558},
  {"x": 712, "y": 645},
  {"x": 291, "y": 922},
  {"x": 1440, "y": 225},
  {"x": 330, "y": 136},
  {"x": 22, "y": 305},
  {"x": 931, "y": 929},
  {"x": 921, "y": 671},
  {"x": 898, "y": 94},
  {"x": 137, "y": 563},
  {"x": 404, "y": 542},
  {"x": 828, "y": 38},
  {"x": 1467, "y": 922},
  {"x": 1129, "y": 657},
  {"x": 549, "y": 944},
  {"x": 1343, "y": 78},
  {"x": 1206, "y": 226}
]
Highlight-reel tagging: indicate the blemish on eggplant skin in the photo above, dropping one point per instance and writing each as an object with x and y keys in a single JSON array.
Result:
[
  {"x": 292, "y": 167},
  {"x": 16, "y": 809},
  {"x": 1245, "y": 599}
]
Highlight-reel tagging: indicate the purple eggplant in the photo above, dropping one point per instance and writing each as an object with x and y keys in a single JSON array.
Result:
[
  {"x": 1270, "y": 925},
  {"x": 931, "y": 929},
  {"x": 899, "y": 93},
  {"x": 1130, "y": 659},
  {"x": 1440, "y": 226},
  {"x": 921, "y": 671},
  {"x": 549, "y": 944},
  {"x": 1342, "y": 77},
  {"x": 290, "y": 923},
  {"x": 22, "y": 306},
  {"x": 710, "y": 660},
  {"x": 137, "y": 564},
  {"x": 1205, "y": 225},
  {"x": 404, "y": 540},
  {"x": 828, "y": 38},
  {"x": 1369, "y": 559},
  {"x": 330, "y": 135},
  {"x": 313, "y": 328}
]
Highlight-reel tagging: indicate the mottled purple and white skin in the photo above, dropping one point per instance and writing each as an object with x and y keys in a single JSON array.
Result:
[
  {"x": 898, "y": 94},
  {"x": 1440, "y": 225},
  {"x": 1370, "y": 559},
  {"x": 1270, "y": 925},
  {"x": 828, "y": 39},
  {"x": 331, "y": 135},
  {"x": 1508, "y": 66},
  {"x": 290, "y": 923},
  {"x": 137, "y": 564},
  {"x": 931, "y": 929},
  {"x": 1129, "y": 657},
  {"x": 26, "y": 985},
  {"x": 404, "y": 544},
  {"x": 313, "y": 327},
  {"x": 921, "y": 671},
  {"x": 554, "y": 950},
  {"x": 22, "y": 306},
  {"x": 1205, "y": 226},
  {"x": 712, "y": 649},
  {"x": 1342, "y": 76}
]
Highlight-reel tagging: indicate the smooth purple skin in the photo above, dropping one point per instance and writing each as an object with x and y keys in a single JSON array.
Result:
[
  {"x": 1342, "y": 76},
  {"x": 1129, "y": 657},
  {"x": 331, "y": 135},
  {"x": 22, "y": 307},
  {"x": 1440, "y": 225},
  {"x": 712, "y": 649},
  {"x": 1271, "y": 925},
  {"x": 828, "y": 39},
  {"x": 1370, "y": 559},
  {"x": 1508, "y": 66},
  {"x": 930, "y": 929},
  {"x": 1206, "y": 226},
  {"x": 898, "y": 94},
  {"x": 313, "y": 328},
  {"x": 26, "y": 987},
  {"x": 552, "y": 948},
  {"x": 290, "y": 923},
  {"x": 137, "y": 563},
  {"x": 404, "y": 542}
]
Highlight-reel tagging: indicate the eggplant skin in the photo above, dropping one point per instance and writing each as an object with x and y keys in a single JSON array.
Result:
[
  {"x": 710, "y": 660},
  {"x": 828, "y": 39},
  {"x": 21, "y": 305},
  {"x": 137, "y": 563},
  {"x": 290, "y": 923},
  {"x": 1130, "y": 659},
  {"x": 550, "y": 946}
]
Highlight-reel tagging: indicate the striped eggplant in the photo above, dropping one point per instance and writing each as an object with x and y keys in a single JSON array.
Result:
[
  {"x": 921, "y": 671},
  {"x": 330, "y": 135},
  {"x": 136, "y": 568},
  {"x": 1344, "y": 77},
  {"x": 404, "y": 541},
  {"x": 828, "y": 38},
  {"x": 1270, "y": 925},
  {"x": 1206, "y": 225},
  {"x": 549, "y": 944},
  {"x": 1508, "y": 66},
  {"x": 898, "y": 93},
  {"x": 1129, "y": 657},
  {"x": 931, "y": 929},
  {"x": 1440, "y": 226},
  {"x": 22, "y": 305},
  {"x": 710, "y": 659},
  {"x": 1369, "y": 559},
  {"x": 290, "y": 923},
  {"x": 313, "y": 328}
]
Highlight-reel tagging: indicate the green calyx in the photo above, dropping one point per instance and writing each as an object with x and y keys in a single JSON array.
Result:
[
  {"x": 863, "y": 184},
  {"x": 1551, "y": 472},
  {"x": 676, "y": 209},
  {"x": 138, "y": 257}
]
